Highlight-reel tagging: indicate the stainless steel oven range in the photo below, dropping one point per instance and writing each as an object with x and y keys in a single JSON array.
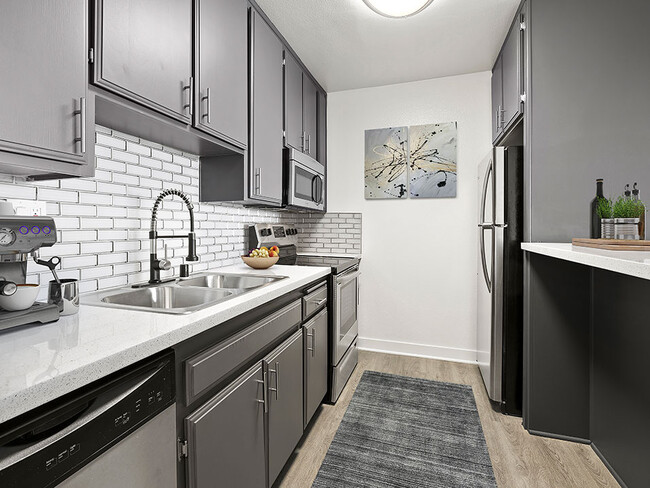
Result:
[{"x": 344, "y": 283}]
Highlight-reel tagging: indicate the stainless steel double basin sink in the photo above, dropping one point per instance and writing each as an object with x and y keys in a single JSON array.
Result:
[{"x": 181, "y": 296}]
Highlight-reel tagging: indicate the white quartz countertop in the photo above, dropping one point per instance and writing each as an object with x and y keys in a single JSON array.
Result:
[
  {"x": 632, "y": 263},
  {"x": 43, "y": 362}
]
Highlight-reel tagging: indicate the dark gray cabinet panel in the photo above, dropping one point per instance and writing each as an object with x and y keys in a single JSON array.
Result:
[
  {"x": 315, "y": 339},
  {"x": 144, "y": 52},
  {"x": 45, "y": 107},
  {"x": 222, "y": 69},
  {"x": 207, "y": 368},
  {"x": 310, "y": 115},
  {"x": 321, "y": 146},
  {"x": 226, "y": 436},
  {"x": 511, "y": 72},
  {"x": 265, "y": 139},
  {"x": 292, "y": 102},
  {"x": 284, "y": 370},
  {"x": 497, "y": 98}
]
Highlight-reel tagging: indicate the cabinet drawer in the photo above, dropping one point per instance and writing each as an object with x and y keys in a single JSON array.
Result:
[
  {"x": 314, "y": 301},
  {"x": 209, "y": 367}
]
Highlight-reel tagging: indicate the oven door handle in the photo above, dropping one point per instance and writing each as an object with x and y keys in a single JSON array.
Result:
[{"x": 345, "y": 279}]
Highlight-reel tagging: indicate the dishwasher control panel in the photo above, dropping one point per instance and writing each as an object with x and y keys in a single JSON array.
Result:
[{"x": 82, "y": 432}]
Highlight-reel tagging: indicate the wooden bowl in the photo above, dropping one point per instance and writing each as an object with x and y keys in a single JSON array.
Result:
[{"x": 260, "y": 263}]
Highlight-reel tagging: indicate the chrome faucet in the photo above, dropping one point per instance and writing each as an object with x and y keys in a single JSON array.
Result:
[{"x": 158, "y": 265}]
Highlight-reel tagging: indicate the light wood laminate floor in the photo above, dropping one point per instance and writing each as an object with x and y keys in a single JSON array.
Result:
[{"x": 519, "y": 459}]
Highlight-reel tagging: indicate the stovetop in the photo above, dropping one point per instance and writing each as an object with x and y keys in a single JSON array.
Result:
[{"x": 338, "y": 263}]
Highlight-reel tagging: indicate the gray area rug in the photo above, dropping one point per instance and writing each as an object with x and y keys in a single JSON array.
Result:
[{"x": 401, "y": 432}]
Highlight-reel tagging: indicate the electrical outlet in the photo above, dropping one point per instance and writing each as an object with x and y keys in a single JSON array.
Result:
[{"x": 29, "y": 208}]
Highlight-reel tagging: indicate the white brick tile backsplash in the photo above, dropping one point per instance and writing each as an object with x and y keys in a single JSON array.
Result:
[{"x": 103, "y": 222}]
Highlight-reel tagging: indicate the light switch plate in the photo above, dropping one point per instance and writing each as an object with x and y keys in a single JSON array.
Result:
[{"x": 29, "y": 207}]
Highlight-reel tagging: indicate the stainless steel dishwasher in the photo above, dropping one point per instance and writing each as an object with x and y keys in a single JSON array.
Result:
[{"x": 118, "y": 432}]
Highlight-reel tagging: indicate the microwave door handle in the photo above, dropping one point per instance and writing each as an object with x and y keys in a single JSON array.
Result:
[{"x": 314, "y": 189}]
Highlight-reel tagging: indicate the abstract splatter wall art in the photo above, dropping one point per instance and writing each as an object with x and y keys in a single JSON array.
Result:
[
  {"x": 432, "y": 160},
  {"x": 417, "y": 162},
  {"x": 386, "y": 163}
]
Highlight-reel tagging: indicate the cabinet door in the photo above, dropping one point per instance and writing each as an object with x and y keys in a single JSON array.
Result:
[
  {"x": 285, "y": 382},
  {"x": 511, "y": 66},
  {"x": 144, "y": 52},
  {"x": 226, "y": 436},
  {"x": 315, "y": 338},
  {"x": 321, "y": 147},
  {"x": 497, "y": 98},
  {"x": 310, "y": 115},
  {"x": 222, "y": 69},
  {"x": 293, "y": 130},
  {"x": 265, "y": 139},
  {"x": 43, "y": 77}
]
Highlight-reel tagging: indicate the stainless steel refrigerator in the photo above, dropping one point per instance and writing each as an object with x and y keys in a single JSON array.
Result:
[{"x": 500, "y": 277}]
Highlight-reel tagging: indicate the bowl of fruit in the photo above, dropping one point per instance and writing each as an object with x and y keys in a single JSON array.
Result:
[{"x": 262, "y": 257}]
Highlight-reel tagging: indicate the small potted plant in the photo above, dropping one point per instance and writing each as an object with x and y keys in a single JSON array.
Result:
[
  {"x": 606, "y": 214},
  {"x": 627, "y": 213}
]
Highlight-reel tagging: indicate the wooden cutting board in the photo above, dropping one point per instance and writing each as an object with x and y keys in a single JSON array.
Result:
[{"x": 613, "y": 244}]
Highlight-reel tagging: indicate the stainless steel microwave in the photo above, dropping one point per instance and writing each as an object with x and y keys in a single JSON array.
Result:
[{"x": 304, "y": 182}]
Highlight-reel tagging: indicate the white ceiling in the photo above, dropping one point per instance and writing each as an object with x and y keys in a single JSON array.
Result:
[{"x": 346, "y": 45}]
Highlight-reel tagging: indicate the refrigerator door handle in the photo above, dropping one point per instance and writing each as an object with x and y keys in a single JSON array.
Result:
[{"x": 486, "y": 273}]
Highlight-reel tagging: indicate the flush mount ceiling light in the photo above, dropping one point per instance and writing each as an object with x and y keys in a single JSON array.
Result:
[{"x": 397, "y": 8}]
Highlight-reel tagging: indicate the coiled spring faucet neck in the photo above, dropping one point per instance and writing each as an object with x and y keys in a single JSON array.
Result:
[{"x": 158, "y": 265}]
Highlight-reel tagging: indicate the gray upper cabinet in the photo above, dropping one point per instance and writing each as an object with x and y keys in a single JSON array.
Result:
[
  {"x": 321, "y": 146},
  {"x": 292, "y": 102},
  {"x": 226, "y": 436},
  {"x": 508, "y": 80},
  {"x": 144, "y": 53},
  {"x": 46, "y": 120},
  {"x": 497, "y": 98},
  {"x": 512, "y": 80},
  {"x": 310, "y": 115},
  {"x": 300, "y": 108},
  {"x": 315, "y": 339},
  {"x": 265, "y": 138},
  {"x": 284, "y": 371},
  {"x": 222, "y": 69}
]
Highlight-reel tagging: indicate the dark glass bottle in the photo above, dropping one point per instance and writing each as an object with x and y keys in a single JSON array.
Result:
[{"x": 595, "y": 219}]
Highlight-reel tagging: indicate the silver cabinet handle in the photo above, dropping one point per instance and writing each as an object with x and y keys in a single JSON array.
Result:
[
  {"x": 320, "y": 302},
  {"x": 304, "y": 141},
  {"x": 258, "y": 181},
  {"x": 503, "y": 119},
  {"x": 206, "y": 98},
  {"x": 308, "y": 143},
  {"x": 496, "y": 118},
  {"x": 82, "y": 122},
  {"x": 190, "y": 88},
  {"x": 263, "y": 400},
  {"x": 276, "y": 372},
  {"x": 311, "y": 334}
]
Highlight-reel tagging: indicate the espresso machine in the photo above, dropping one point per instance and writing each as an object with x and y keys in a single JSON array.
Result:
[{"x": 21, "y": 237}]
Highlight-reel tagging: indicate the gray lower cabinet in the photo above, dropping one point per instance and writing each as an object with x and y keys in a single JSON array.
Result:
[
  {"x": 226, "y": 436},
  {"x": 284, "y": 370},
  {"x": 46, "y": 122},
  {"x": 222, "y": 69},
  {"x": 265, "y": 104},
  {"x": 143, "y": 52},
  {"x": 315, "y": 347}
]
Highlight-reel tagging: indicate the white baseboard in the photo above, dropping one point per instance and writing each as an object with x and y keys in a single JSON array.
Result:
[{"x": 417, "y": 350}]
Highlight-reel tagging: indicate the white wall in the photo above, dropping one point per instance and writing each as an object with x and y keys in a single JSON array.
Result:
[{"x": 418, "y": 288}]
